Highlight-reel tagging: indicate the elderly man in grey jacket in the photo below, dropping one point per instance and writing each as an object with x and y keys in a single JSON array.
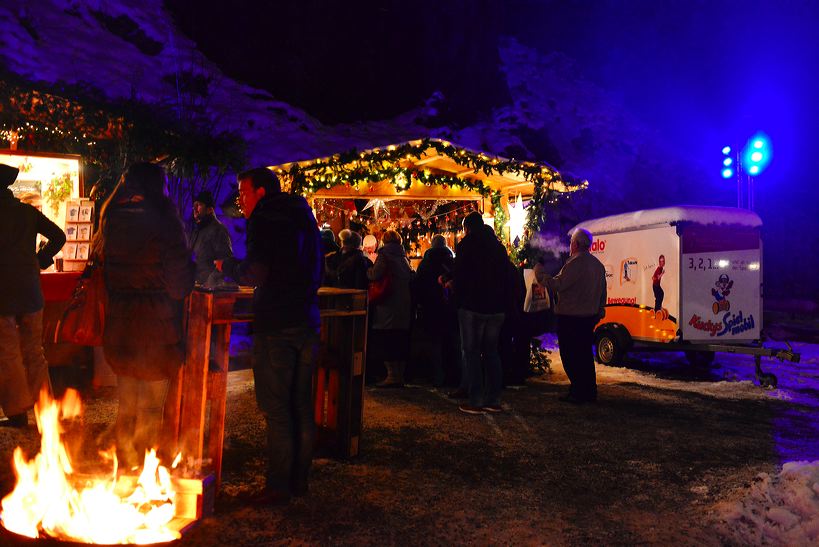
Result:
[{"x": 581, "y": 301}]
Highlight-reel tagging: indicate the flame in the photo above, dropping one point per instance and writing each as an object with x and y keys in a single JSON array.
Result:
[{"x": 49, "y": 499}]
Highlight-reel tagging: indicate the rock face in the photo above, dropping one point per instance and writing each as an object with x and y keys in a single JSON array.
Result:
[{"x": 368, "y": 61}]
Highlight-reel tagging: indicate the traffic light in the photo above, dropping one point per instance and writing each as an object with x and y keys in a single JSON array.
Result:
[
  {"x": 727, "y": 162},
  {"x": 757, "y": 154}
]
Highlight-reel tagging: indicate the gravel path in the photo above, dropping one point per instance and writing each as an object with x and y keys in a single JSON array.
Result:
[{"x": 643, "y": 466}]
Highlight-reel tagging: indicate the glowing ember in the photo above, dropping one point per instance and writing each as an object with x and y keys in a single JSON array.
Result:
[{"x": 49, "y": 500}]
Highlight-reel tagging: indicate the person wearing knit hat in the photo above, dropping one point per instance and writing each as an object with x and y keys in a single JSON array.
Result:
[
  {"x": 8, "y": 175},
  {"x": 23, "y": 368},
  {"x": 210, "y": 240}
]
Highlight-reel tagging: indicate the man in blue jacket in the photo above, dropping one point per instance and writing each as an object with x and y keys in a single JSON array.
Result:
[
  {"x": 284, "y": 262},
  {"x": 23, "y": 368}
]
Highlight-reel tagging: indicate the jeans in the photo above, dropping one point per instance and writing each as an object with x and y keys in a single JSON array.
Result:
[
  {"x": 23, "y": 368},
  {"x": 139, "y": 417},
  {"x": 283, "y": 364},
  {"x": 480, "y": 333},
  {"x": 575, "y": 338}
]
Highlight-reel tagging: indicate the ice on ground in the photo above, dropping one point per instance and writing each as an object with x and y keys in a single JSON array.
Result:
[{"x": 781, "y": 509}]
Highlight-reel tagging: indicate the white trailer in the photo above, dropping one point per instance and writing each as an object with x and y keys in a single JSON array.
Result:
[{"x": 682, "y": 278}]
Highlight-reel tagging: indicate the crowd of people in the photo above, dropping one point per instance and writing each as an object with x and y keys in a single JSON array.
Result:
[
  {"x": 465, "y": 319},
  {"x": 470, "y": 311}
]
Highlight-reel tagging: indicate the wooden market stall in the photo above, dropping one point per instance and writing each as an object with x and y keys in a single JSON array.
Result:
[{"x": 433, "y": 171}]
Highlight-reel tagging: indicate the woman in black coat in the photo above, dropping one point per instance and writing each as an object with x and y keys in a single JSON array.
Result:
[
  {"x": 148, "y": 272},
  {"x": 439, "y": 319}
]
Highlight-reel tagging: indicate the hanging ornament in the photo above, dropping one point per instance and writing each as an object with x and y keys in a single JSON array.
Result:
[
  {"x": 380, "y": 211},
  {"x": 517, "y": 219}
]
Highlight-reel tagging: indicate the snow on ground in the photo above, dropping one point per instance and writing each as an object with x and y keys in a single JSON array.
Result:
[
  {"x": 782, "y": 509},
  {"x": 777, "y": 509}
]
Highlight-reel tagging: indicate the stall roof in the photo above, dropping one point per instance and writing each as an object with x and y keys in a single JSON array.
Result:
[
  {"x": 438, "y": 156},
  {"x": 695, "y": 214}
]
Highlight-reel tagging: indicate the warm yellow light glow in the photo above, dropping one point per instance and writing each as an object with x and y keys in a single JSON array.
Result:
[
  {"x": 517, "y": 219},
  {"x": 49, "y": 498}
]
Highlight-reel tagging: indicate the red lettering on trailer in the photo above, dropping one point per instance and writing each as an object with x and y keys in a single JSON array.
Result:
[{"x": 598, "y": 246}]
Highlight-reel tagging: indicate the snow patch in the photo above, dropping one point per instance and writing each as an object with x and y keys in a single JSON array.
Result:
[
  {"x": 782, "y": 509},
  {"x": 697, "y": 214}
]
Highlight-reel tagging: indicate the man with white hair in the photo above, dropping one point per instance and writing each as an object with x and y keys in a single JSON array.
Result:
[{"x": 581, "y": 300}]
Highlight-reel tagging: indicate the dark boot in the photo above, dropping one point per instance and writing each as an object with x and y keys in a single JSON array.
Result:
[{"x": 395, "y": 374}]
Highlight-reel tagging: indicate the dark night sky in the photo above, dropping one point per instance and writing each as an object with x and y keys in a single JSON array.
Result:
[{"x": 701, "y": 73}]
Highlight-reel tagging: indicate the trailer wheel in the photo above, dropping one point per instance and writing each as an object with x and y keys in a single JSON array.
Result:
[
  {"x": 609, "y": 347},
  {"x": 700, "y": 358}
]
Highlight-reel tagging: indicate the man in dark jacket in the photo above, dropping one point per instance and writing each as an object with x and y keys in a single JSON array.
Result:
[
  {"x": 481, "y": 292},
  {"x": 284, "y": 263},
  {"x": 209, "y": 240},
  {"x": 23, "y": 368},
  {"x": 439, "y": 319}
]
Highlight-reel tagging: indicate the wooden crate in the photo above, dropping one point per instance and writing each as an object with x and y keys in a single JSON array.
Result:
[{"x": 339, "y": 379}]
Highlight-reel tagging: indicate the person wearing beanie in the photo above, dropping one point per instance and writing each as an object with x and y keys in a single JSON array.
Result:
[
  {"x": 23, "y": 367},
  {"x": 210, "y": 240}
]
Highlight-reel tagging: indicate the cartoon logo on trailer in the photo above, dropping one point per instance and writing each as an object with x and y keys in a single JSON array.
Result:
[{"x": 720, "y": 292}]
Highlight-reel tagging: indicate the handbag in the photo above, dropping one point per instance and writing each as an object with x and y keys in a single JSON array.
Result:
[
  {"x": 83, "y": 321},
  {"x": 377, "y": 290},
  {"x": 537, "y": 295}
]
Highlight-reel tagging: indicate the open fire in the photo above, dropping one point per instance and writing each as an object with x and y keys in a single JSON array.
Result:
[{"x": 50, "y": 500}]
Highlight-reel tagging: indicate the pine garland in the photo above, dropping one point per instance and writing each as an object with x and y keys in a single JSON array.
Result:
[{"x": 385, "y": 164}]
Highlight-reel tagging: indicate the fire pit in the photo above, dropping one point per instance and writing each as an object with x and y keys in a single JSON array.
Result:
[{"x": 50, "y": 504}]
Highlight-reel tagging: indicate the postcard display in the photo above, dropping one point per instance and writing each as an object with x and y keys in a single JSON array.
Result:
[{"x": 79, "y": 229}]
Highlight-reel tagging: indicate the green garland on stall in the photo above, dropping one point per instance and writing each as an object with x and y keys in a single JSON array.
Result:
[
  {"x": 383, "y": 164},
  {"x": 500, "y": 213}
]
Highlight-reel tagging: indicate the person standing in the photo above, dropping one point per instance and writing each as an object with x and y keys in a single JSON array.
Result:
[
  {"x": 333, "y": 259},
  {"x": 392, "y": 314},
  {"x": 481, "y": 293},
  {"x": 439, "y": 320},
  {"x": 23, "y": 368},
  {"x": 370, "y": 245},
  {"x": 581, "y": 299},
  {"x": 210, "y": 240},
  {"x": 148, "y": 273},
  {"x": 284, "y": 262},
  {"x": 353, "y": 265}
]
